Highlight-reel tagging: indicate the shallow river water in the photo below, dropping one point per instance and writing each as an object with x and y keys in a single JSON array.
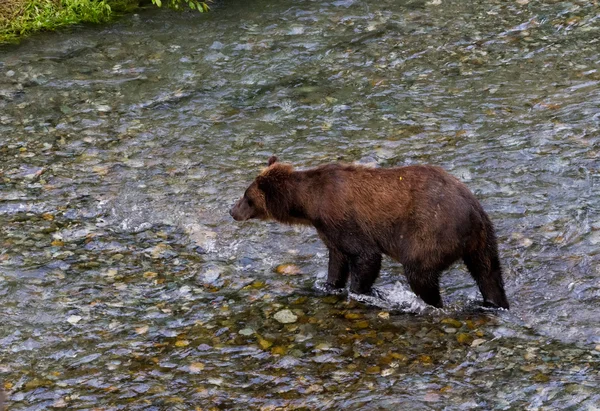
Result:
[{"x": 125, "y": 284}]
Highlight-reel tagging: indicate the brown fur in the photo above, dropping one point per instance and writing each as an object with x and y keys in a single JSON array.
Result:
[{"x": 419, "y": 215}]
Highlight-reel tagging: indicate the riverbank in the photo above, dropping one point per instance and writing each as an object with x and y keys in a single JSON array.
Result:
[{"x": 19, "y": 18}]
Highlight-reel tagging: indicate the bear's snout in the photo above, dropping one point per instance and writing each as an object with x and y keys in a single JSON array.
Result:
[
  {"x": 233, "y": 213},
  {"x": 236, "y": 212}
]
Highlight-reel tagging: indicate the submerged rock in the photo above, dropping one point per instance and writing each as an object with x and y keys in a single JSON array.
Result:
[
  {"x": 285, "y": 316},
  {"x": 246, "y": 331},
  {"x": 287, "y": 269}
]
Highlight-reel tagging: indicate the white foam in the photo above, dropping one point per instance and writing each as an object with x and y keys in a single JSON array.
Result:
[{"x": 398, "y": 297}]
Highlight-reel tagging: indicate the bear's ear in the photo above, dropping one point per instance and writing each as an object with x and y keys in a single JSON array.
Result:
[
  {"x": 272, "y": 160},
  {"x": 274, "y": 179},
  {"x": 262, "y": 183}
]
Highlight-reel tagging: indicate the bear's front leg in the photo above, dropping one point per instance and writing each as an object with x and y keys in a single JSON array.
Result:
[
  {"x": 364, "y": 270},
  {"x": 339, "y": 267}
]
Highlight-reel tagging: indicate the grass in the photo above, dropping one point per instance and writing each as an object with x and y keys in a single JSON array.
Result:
[{"x": 20, "y": 17}]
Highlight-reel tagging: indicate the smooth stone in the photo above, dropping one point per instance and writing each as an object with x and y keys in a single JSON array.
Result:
[{"x": 285, "y": 316}]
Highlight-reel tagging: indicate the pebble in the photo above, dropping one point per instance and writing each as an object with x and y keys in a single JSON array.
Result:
[
  {"x": 147, "y": 274},
  {"x": 196, "y": 367},
  {"x": 384, "y": 315},
  {"x": 210, "y": 276},
  {"x": 264, "y": 344},
  {"x": 285, "y": 317},
  {"x": 103, "y": 108},
  {"x": 215, "y": 381},
  {"x": 361, "y": 324},
  {"x": 477, "y": 342},
  {"x": 526, "y": 242},
  {"x": 452, "y": 322},
  {"x": 278, "y": 350},
  {"x": 142, "y": 330},
  {"x": 160, "y": 251},
  {"x": 463, "y": 338},
  {"x": 10, "y": 73},
  {"x": 246, "y": 331},
  {"x": 432, "y": 397},
  {"x": 314, "y": 388},
  {"x": 74, "y": 319},
  {"x": 287, "y": 269},
  {"x": 111, "y": 272}
]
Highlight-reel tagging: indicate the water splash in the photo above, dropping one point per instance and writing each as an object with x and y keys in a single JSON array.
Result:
[{"x": 396, "y": 298}]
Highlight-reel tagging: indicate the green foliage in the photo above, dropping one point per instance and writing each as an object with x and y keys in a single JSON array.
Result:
[
  {"x": 21, "y": 17},
  {"x": 176, "y": 4},
  {"x": 123, "y": 6},
  {"x": 34, "y": 15}
]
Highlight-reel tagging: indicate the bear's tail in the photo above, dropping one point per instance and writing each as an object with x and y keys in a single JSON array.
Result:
[{"x": 484, "y": 265}]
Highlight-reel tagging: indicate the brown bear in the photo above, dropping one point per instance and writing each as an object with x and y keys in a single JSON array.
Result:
[{"x": 419, "y": 215}]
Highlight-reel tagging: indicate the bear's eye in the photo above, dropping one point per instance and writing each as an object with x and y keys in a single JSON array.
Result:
[{"x": 250, "y": 202}]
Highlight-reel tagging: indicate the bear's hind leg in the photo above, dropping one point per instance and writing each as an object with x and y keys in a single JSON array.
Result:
[
  {"x": 488, "y": 274},
  {"x": 339, "y": 268},
  {"x": 426, "y": 285},
  {"x": 364, "y": 270}
]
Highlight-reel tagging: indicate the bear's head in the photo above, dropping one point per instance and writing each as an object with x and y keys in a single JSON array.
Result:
[{"x": 253, "y": 204}]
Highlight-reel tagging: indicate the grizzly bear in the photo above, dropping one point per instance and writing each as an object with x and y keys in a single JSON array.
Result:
[{"x": 419, "y": 215}]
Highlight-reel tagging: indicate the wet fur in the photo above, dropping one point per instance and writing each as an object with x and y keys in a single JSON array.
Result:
[{"x": 419, "y": 215}]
